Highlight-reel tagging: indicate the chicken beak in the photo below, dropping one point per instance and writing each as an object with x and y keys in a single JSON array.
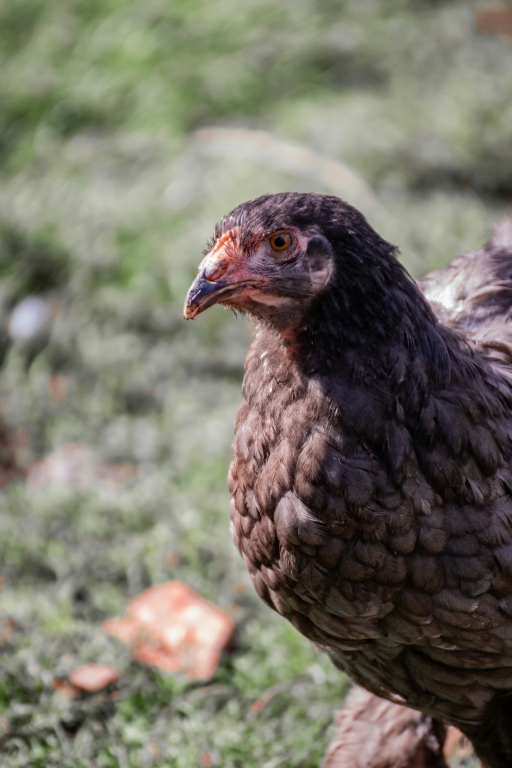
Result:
[
  {"x": 220, "y": 277},
  {"x": 203, "y": 293}
]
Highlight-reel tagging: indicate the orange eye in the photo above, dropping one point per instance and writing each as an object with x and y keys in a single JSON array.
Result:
[{"x": 280, "y": 242}]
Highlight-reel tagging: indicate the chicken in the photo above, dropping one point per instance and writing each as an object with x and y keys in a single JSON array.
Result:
[{"x": 371, "y": 475}]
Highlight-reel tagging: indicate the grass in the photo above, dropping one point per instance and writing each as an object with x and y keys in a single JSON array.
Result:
[{"x": 106, "y": 203}]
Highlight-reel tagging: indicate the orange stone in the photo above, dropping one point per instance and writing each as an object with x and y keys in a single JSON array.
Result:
[
  {"x": 70, "y": 465},
  {"x": 171, "y": 627},
  {"x": 75, "y": 464},
  {"x": 495, "y": 19},
  {"x": 58, "y": 388},
  {"x": 93, "y": 677}
]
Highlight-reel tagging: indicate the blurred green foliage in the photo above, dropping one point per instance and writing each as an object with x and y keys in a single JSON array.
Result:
[{"x": 99, "y": 100}]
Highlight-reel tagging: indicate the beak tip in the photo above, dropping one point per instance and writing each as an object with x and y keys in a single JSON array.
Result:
[{"x": 201, "y": 295}]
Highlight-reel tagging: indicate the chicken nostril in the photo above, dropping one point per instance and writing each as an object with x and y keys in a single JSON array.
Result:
[{"x": 215, "y": 271}]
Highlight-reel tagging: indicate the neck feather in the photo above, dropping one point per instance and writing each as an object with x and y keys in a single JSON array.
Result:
[{"x": 380, "y": 337}]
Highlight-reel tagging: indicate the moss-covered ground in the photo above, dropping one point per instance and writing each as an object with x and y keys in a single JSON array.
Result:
[{"x": 106, "y": 202}]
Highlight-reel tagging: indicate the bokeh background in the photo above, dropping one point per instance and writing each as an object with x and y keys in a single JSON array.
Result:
[{"x": 127, "y": 129}]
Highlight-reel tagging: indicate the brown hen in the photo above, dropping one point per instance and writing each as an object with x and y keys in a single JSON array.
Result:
[{"x": 371, "y": 479}]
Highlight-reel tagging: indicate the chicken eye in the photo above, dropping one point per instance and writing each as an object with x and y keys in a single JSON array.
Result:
[{"x": 280, "y": 242}]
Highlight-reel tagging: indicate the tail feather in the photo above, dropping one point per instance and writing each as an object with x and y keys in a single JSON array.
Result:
[
  {"x": 473, "y": 295},
  {"x": 502, "y": 235}
]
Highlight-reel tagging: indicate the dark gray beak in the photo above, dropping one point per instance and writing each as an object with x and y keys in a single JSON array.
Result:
[{"x": 204, "y": 293}]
